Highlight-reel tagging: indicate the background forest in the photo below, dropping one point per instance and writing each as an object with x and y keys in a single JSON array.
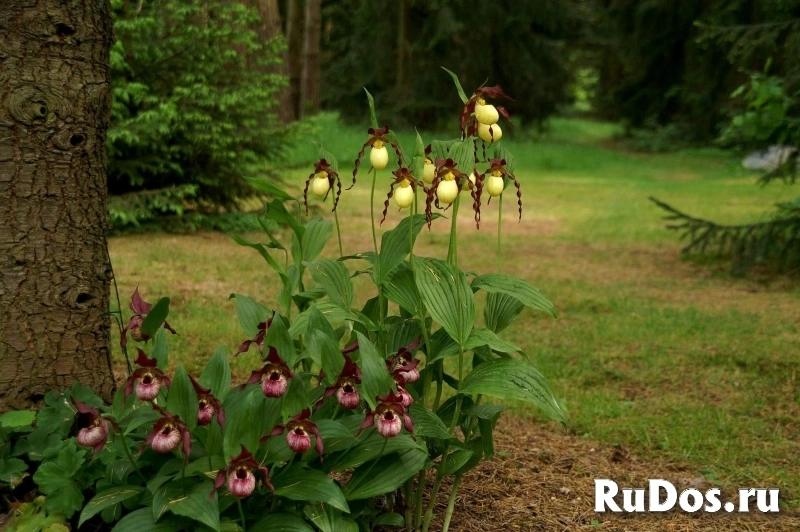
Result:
[{"x": 206, "y": 92}]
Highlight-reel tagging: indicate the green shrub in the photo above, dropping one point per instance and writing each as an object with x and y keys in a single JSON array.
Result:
[{"x": 193, "y": 107}]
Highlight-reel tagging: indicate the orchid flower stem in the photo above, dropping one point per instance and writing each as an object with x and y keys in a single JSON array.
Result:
[
  {"x": 408, "y": 494},
  {"x": 436, "y": 484},
  {"x": 426, "y": 383},
  {"x": 418, "y": 503},
  {"x": 338, "y": 232},
  {"x": 451, "y": 504},
  {"x": 438, "y": 368},
  {"x": 119, "y": 304},
  {"x": 500, "y": 234},
  {"x": 130, "y": 458},
  {"x": 241, "y": 513},
  {"x": 459, "y": 397},
  {"x": 372, "y": 210},
  {"x": 376, "y": 267},
  {"x": 452, "y": 248}
]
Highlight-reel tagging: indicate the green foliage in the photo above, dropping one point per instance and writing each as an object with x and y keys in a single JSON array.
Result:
[
  {"x": 194, "y": 92},
  {"x": 343, "y": 376}
]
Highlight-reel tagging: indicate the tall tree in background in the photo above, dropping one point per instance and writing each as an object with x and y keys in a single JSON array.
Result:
[
  {"x": 654, "y": 72},
  {"x": 54, "y": 270},
  {"x": 396, "y": 49},
  {"x": 270, "y": 28},
  {"x": 310, "y": 77}
]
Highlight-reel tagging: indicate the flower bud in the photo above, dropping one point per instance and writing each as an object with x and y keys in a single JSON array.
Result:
[
  {"x": 407, "y": 399},
  {"x": 447, "y": 191},
  {"x": 275, "y": 384},
  {"x": 486, "y": 113},
  {"x": 242, "y": 483},
  {"x": 404, "y": 195},
  {"x": 298, "y": 440},
  {"x": 320, "y": 185},
  {"x": 495, "y": 185},
  {"x": 379, "y": 156},
  {"x": 348, "y": 396},
  {"x": 428, "y": 171},
  {"x": 167, "y": 439},
  {"x": 389, "y": 423},
  {"x": 148, "y": 387},
  {"x": 93, "y": 435},
  {"x": 491, "y": 133}
]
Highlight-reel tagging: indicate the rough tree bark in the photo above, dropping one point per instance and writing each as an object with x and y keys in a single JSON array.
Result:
[
  {"x": 270, "y": 28},
  {"x": 309, "y": 83},
  {"x": 294, "y": 37},
  {"x": 54, "y": 271}
]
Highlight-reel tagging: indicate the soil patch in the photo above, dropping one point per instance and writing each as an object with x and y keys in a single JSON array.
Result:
[{"x": 542, "y": 479}]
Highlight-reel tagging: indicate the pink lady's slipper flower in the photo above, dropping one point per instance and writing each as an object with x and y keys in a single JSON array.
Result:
[
  {"x": 263, "y": 327},
  {"x": 208, "y": 406},
  {"x": 94, "y": 428},
  {"x": 404, "y": 364},
  {"x": 140, "y": 309},
  {"x": 298, "y": 433},
  {"x": 240, "y": 477},
  {"x": 168, "y": 433},
  {"x": 274, "y": 376},
  {"x": 389, "y": 416},
  {"x": 148, "y": 378},
  {"x": 406, "y": 398},
  {"x": 345, "y": 385}
]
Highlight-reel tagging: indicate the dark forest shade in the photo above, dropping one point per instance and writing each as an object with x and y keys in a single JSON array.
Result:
[{"x": 396, "y": 49}]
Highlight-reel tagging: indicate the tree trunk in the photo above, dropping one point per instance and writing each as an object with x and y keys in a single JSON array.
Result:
[
  {"x": 309, "y": 84},
  {"x": 294, "y": 37},
  {"x": 270, "y": 28},
  {"x": 54, "y": 270}
]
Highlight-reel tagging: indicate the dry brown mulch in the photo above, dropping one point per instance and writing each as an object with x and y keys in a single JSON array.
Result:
[{"x": 542, "y": 479}]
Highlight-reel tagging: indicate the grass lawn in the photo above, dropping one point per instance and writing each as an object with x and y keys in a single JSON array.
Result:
[{"x": 663, "y": 356}]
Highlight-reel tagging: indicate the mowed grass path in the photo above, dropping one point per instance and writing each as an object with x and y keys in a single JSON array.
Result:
[{"x": 657, "y": 354}]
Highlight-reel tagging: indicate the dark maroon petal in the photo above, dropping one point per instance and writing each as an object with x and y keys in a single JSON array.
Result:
[
  {"x": 305, "y": 414},
  {"x": 330, "y": 390},
  {"x": 494, "y": 92},
  {"x": 220, "y": 413},
  {"x": 277, "y": 431},
  {"x": 139, "y": 305},
  {"x": 143, "y": 361},
  {"x": 504, "y": 113},
  {"x": 409, "y": 423},
  {"x": 170, "y": 329},
  {"x": 350, "y": 348},
  {"x": 129, "y": 386},
  {"x": 123, "y": 337},
  {"x": 320, "y": 446},
  {"x": 219, "y": 481},
  {"x": 187, "y": 443},
  {"x": 265, "y": 474},
  {"x": 197, "y": 387},
  {"x": 368, "y": 422}
]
